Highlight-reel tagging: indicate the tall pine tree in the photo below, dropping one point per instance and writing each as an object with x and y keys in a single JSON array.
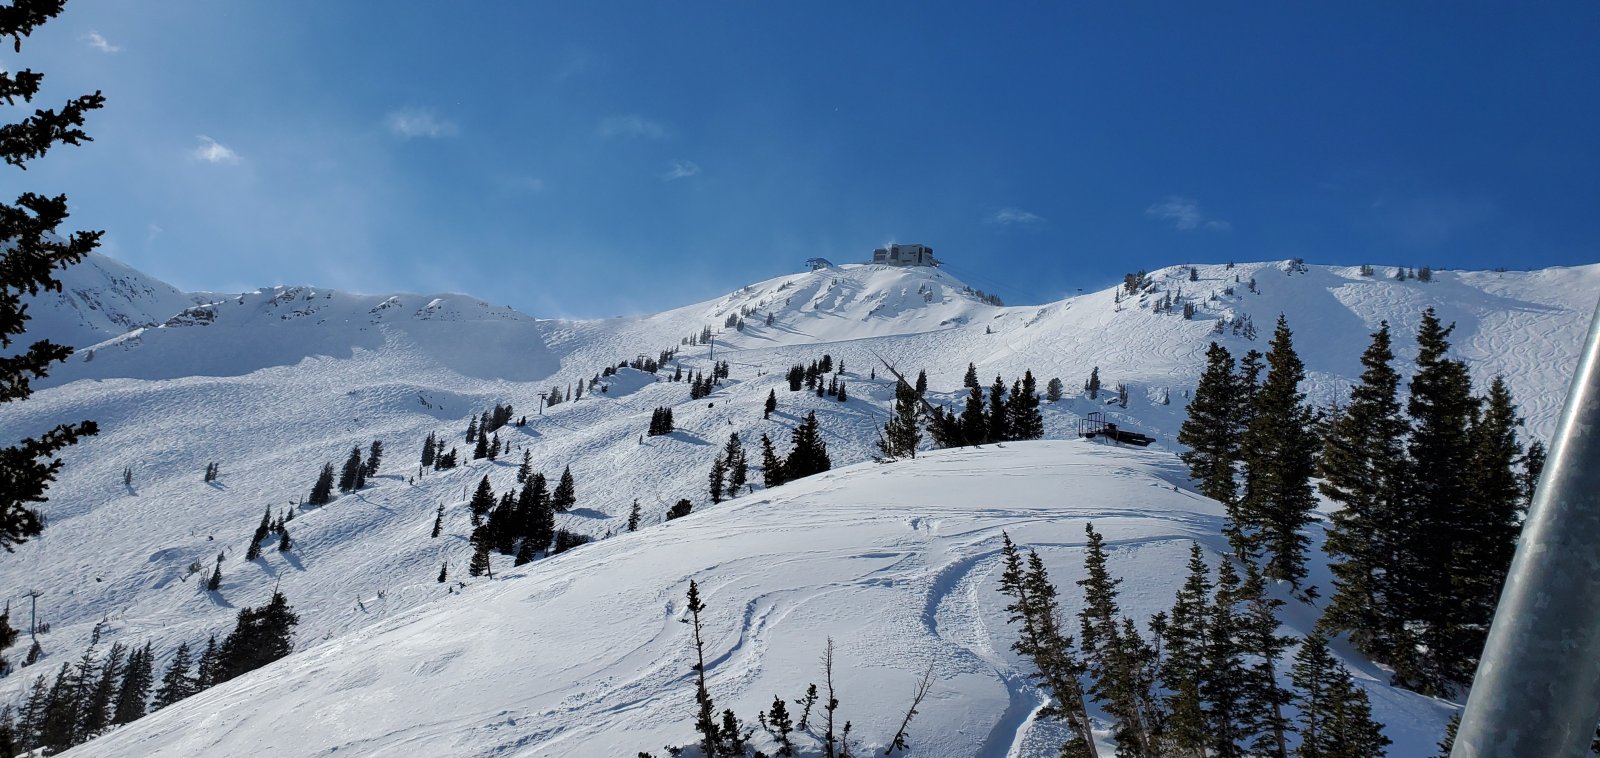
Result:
[{"x": 1279, "y": 449}]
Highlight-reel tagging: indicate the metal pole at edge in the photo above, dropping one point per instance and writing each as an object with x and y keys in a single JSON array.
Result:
[{"x": 1537, "y": 690}]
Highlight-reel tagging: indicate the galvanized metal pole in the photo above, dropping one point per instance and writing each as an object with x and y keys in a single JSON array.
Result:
[{"x": 1537, "y": 691}]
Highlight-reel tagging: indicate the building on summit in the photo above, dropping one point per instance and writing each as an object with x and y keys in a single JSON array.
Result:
[{"x": 904, "y": 255}]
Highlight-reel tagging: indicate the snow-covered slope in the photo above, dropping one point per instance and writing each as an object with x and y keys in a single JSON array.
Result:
[
  {"x": 274, "y": 383},
  {"x": 100, "y": 298},
  {"x": 583, "y": 654}
]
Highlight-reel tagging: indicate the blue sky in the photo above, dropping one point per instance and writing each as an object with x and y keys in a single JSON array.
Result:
[{"x": 590, "y": 159}]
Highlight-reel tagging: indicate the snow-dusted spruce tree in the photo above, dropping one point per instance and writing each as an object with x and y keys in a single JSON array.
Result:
[
  {"x": 719, "y": 474},
  {"x": 177, "y": 683},
  {"x": 33, "y": 251}
]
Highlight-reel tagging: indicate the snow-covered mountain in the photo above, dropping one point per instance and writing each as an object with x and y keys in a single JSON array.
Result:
[
  {"x": 274, "y": 383},
  {"x": 100, "y": 298}
]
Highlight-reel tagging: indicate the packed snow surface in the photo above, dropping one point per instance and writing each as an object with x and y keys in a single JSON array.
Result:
[{"x": 584, "y": 654}]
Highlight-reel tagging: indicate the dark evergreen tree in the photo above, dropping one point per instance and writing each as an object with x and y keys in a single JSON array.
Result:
[
  {"x": 1279, "y": 450},
  {"x": 1335, "y": 718},
  {"x": 1042, "y": 641},
  {"x": 481, "y": 449},
  {"x": 1211, "y": 431},
  {"x": 705, "y": 722},
  {"x": 1092, "y": 386},
  {"x": 1023, "y": 420},
  {"x": 719, "y": 475},
  {"x": 176, "y": 684},
  {"x": 254, "y": 550},
  {"x": 901, "y": 433},
  {"x": 1532, "y": 468},
  {"x": 680, "y": 509},
  {"x": 809, "y": 454},
  {"x": 472, "y": 429},
  {"x": 1264, "y": 699},
  {"x": 738, "y": 465},
  {"x": 493, "y": 453},
  {"x": 322, "y": 491},
  {"x": 482, "y": 543},
  {"x": 1491, "y": 521},
  {"x": 1184, "y": 672},
  {"x": 59, "y": 726},
  {"x": 566, "y": 492},
  {"x": 438, "y": 521},
  {"x": 1053, "y": 389},
  {"x": 1115, "y": 657},
  {"x": 525, "y": 469},
  {"x": 32, "y": 251},
  {"x": 214, "y": 583},
  {"x": 349, "y": 477},
  {"x": 922, "y": 383},
  {"x": 772, "y": 471},
  {"x": 538, "y": 515},
  {"x": 31, "y": 718},
  {"x": 633, "y": 516},
  {"x": 374, "y": 455},
  {"x": 1223, "y": 689},
  {"x": 283, "y": 541},
  {"x": 974, "y": 422},
  {"x": 483, "y": 499},
  {"x": 100, "y": 688},
  {"x": 1441, "y": 408},
  {"x": 208, "y": 670},
  {"x": 137, "y": 676},
  {"x": 428, "y": 450},
  {"x": 1364, "y": 469},
  {"x": 261, "y": 636},
  {"x": 970, "y": 381},
  {"x": 772, "y": 404},
  {"x": 444, "y": 571},
  {"x": 999, "y": 426}
]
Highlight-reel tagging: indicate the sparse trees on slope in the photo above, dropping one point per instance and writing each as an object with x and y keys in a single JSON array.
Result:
[{"x": 33, "y": 251}]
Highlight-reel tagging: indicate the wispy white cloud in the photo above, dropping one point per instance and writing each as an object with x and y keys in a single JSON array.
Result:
[
  {"x": 100, "y": 43},
  {"x": 631, "y": 127},
  {"x": 212, "y": 151},
  {"x": 1009, "y": 216},
  {"x": 529, "y": 183},
  {"x": 1185, "y": 215},
  {"x": 410, "y": 123},
  {"x": 681, "y": 170}
]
